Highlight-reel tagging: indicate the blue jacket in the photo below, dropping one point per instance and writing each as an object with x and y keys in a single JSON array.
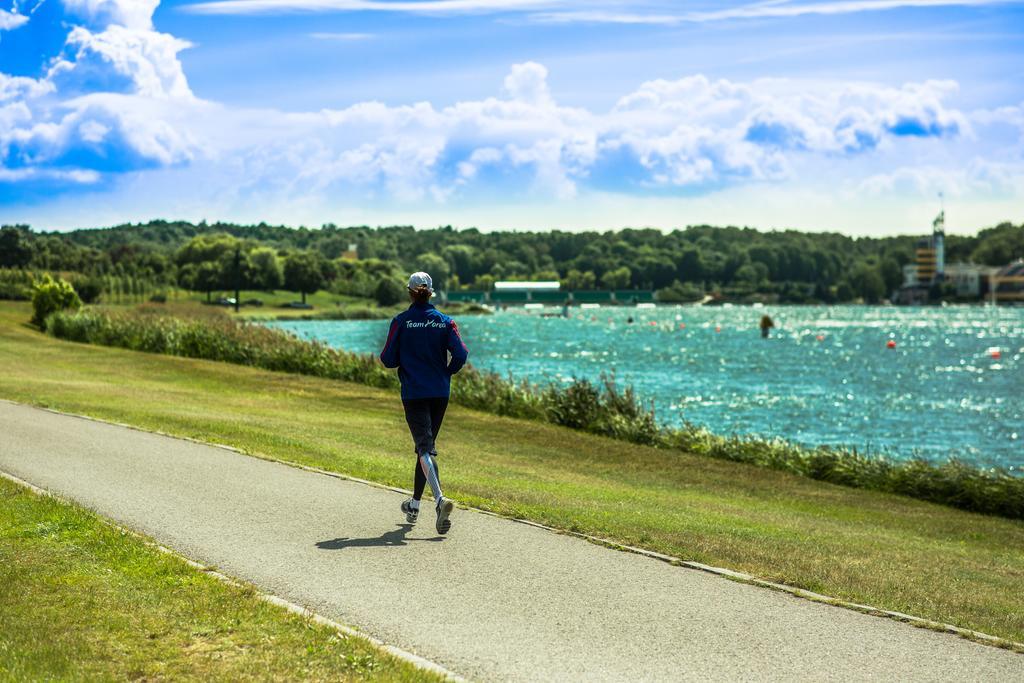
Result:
[{"x": 418, "y": 344}]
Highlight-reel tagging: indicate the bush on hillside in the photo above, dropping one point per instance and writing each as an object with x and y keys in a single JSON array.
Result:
[
  {"x": 388, "y": 292},
  {"x": 16, "y": 284},
  {"x": 50, "y": 296},
  {"x": 600, "y": 408},
  {"x": 88, "y": 287}
]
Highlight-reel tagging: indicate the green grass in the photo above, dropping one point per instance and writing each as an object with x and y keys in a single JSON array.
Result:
[
  {"x": 885, "y": 550},
  {"x": 326, "y": 306},
  {"x": 602, "y": 408},
  {"x": 277, "y": 298},
  {"x": 82, "y": 600}
]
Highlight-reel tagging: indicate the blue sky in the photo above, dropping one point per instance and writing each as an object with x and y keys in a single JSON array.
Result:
[{"x": 848, "y": 115}]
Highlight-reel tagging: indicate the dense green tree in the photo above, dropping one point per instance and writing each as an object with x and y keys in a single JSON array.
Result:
[
  {"x": 15, "y": 246},
  {"x": 1000, "y": 245},
  {"x": 575, "y": 280},
  {"x": 617, "y": 279},
  {"x": 690, "y": 264},
  {"x": 867, "y": 283},
  {"x": 654, "y": 272},
  {"x": 786, "y": 264},
  {"x": 205, "y": 276},
  {"x": 388, "y": 292},
  {"x": 484, "y": 283},
  {"x": 752, "y": 274},
  {"x": 265, "y": 272},
  {"x": 304, "y": 273},
  {"x": 202, "y": 248},
  {"x": 436, "y": 267},
  {"x": 891, "y": 272}
]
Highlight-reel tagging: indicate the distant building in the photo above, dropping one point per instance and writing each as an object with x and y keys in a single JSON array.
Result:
[
  {"x": 928, "y": 267},
  {"x": 970, "y": 280},
  {"x": 930, "y": 253},
  {"x": 528, "y": 286},
  {"x": 910, "y": 275},
  {"x": 550, "y": 292},
  {"x": 352, "y": 253},
  {"x": 1008, "y": 283},
  {"x": 530, "y": 291}
]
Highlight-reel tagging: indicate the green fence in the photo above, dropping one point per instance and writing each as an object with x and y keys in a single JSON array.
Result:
[
  {"x": 477, "y": 296},
  {"x": 628, "y": 296},
  {"x": 509, "y": 297},
  {"x": 592, "y": 296},
  {"x": 550, "y": 297}
]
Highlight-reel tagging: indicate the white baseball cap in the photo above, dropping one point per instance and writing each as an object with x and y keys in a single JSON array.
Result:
[{"x": 421, "y": 279}]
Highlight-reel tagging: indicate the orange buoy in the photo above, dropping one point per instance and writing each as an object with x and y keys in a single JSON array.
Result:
[
  {"x": 718, "y": 328},
  {"x": 995, "y": 353},
  {"x": 682, "y": 326},
  {"x": 653, "y": 323},
  {"x": 821, "y": 337},
  {"x": 890, "y": 344}
]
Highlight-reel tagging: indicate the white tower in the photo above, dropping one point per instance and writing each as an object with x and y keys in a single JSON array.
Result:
[{"x": 939, "y": 242}]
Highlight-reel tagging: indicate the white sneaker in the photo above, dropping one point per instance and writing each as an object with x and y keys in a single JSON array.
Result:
[
  {"x": 411, "y": 513},
  {"x": 444, "y": 510}
]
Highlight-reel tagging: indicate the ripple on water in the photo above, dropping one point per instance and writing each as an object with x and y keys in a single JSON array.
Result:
[{"x": 940, "y": 392}]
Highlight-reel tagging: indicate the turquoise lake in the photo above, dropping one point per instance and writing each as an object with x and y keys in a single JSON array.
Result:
[{"x": 952, "y": 386}]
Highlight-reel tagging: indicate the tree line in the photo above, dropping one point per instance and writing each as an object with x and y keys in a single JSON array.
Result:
[{"x": 786, "y": 265}]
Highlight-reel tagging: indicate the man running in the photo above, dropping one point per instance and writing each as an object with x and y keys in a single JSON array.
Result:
[{"x": 420, "y": 342}]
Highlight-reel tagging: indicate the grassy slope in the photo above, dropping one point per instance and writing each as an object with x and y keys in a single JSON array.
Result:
[
  {"x": 884, "y": 550},
  {"x": 324, "y": 304},
  {"x": 81, "y": 600},
  {"x": 272, "y": 301}
]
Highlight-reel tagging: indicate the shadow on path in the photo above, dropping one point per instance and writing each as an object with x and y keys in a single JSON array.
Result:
[{"x": 387, "y": 539}]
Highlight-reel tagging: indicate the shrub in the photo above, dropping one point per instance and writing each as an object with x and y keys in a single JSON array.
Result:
[
  {"x": 16, "y": 284},
  {"x": 50, "y": 296},
  {"x": 388, "y": 292},
  {"x": 599, "y": 408},
  {"x": 88, "y": 287}
]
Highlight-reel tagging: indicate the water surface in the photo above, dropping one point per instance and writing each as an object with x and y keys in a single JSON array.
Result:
[{"x": 953, "y": 384}]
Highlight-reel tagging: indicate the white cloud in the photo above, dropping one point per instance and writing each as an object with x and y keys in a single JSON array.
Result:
[
  {"x": 790, "y": 9},
  {"x": 134, "y": 121},
  {"x": 979, "y": 178},
  {"x": 22, "y": 88},
  {"x": 777, "y": 9},
  {"x": 132, "y": 14},
  {"x": 77, "y": 176},
  {"x": 419, "y": 6},
  {"x": 692, "y": 132},
  {"x": 117, "y": 103},
  {"x": 528, "y": 82},
  {"x": 11, "y": 20},
  {"x": 567, "y": 11},
  {"x": 121, "y": 59}
]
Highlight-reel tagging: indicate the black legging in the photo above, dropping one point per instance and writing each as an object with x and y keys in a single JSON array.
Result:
[{"x": 424, "y": 417}]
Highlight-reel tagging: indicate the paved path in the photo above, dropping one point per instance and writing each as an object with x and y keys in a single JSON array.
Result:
[{"x": 495, "y": 600}]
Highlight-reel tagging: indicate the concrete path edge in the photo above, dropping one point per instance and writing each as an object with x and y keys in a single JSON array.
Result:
[{"x": 919, "y": 622}]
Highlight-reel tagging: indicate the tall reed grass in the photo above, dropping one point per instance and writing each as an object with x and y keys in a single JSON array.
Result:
[{"x": 600, "y": 408}]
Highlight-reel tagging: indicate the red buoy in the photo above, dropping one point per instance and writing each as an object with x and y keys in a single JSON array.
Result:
[
  {"x": 718, "y": 328},
  {"x": 890, "y": 344},
  {"x": 821, "y": 337},
  {"x": 682, "y": 326}
]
